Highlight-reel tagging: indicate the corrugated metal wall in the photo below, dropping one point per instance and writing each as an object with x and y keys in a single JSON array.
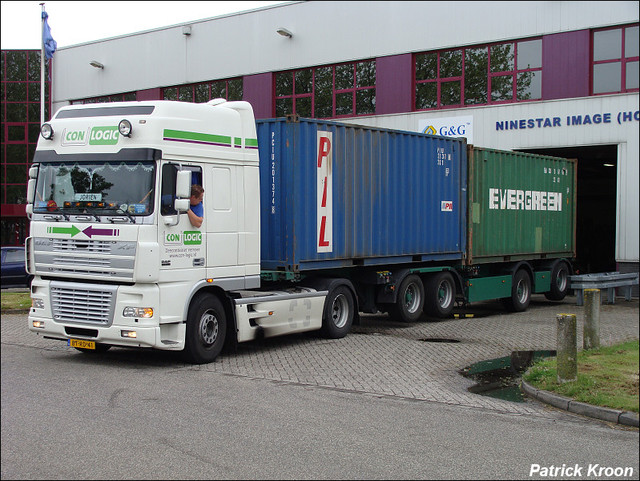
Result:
[
  {"x": 397, "y": 196},
  {"x": 520, "y": 205}
]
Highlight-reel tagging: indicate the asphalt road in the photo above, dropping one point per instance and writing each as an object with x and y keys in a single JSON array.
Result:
[{"x": 383, "y": 403}]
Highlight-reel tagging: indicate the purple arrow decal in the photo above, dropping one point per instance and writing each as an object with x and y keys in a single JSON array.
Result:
[{"x": 91, "y": 231}]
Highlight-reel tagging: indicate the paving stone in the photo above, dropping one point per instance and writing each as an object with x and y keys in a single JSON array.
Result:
[{"x": 384, "y": 357}]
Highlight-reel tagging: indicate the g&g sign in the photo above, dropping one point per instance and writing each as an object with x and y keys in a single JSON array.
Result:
[{"x": 448, "y": 127}]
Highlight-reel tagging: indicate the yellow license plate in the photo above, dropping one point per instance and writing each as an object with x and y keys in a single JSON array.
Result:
[{"x": 82, "y": 344}]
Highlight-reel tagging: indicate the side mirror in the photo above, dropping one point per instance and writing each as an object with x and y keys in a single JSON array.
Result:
[
  {"x": 183, "y": 185},
  {"x": 31, "y": 194},
  {"x": 31, "y": 191},
  {"x": 182, "y": 205}
]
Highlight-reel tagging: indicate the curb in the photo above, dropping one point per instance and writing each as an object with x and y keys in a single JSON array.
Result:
[{"x": 625, "y": 418}]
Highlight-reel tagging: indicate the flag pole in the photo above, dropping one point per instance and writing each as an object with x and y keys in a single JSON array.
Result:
[{"x": 42, "y": 57}]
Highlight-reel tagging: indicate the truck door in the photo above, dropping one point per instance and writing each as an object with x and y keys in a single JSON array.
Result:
[
  {"x": 182, "y": 245},
  {"x": 223, "y": 194}
]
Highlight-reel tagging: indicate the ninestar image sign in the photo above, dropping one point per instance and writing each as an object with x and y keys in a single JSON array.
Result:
[{"x": 324, "y": 202}]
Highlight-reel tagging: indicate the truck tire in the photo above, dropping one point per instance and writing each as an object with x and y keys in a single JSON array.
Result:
[
  {"x": 520, "y": 292},
  {"x": 440, "y": 295},
  {"x": 559, "y": 282},
  {"x": 206, "y": 330},
  {"x": 410, "y": 301},
  {"x": 338, "y": 313}
]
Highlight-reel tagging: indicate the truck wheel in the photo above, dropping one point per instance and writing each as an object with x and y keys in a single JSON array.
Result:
[
  {"x": 520, "y": 292},
  {"x": 410, "y": 301},
  {"x": 440, "y": 295},
  {"x": 338, "y": 314},
  {"x": 559, "y": 282},
  {"x": 206, "y": 330}
]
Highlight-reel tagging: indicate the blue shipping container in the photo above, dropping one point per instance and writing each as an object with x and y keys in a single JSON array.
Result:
[{"x": 340, "y": 195}]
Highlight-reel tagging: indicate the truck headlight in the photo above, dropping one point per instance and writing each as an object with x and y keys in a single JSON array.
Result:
[
  {"x": 124, "y": 127},
  {"x": 37, "y": 303},
  {"x": 145, "y": 312},
  {"x": 46, "y": 131}
]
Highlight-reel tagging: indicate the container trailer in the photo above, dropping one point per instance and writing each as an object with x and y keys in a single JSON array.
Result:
[{"x": 306, "y": 224}]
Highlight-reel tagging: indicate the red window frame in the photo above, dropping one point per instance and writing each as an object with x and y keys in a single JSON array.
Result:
[
  {"x": 353, "y": 89},
  {"x": 187, "y": 93},
  {"x": 439, "y": 81},
  {"x": 622, "y": 59}
]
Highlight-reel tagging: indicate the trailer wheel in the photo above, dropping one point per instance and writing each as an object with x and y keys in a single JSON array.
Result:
[
  {"x": 338, "y": 314},
  {"x": 559, "y": 282},
  {"x": 520, "y": 292},
  {"x": 206, "y": 330},
  {"x": 440, "y": 295},
  {"x": 410, "y": 301}
]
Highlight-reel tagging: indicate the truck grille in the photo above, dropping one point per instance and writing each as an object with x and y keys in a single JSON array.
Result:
[
  {"x": 81, "y": 304},
  {"x": 83, "y": 258}
]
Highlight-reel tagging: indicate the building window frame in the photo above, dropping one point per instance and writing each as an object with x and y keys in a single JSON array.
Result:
[
  {"x": 228, "y": 89},
  {"x": 21, "y": 116},
  {"x": 441, "y": 78},
  {"x": 340, "y": 90},
  {"x": 620, "y": 57},
  {"x": 124, "y": 97}
]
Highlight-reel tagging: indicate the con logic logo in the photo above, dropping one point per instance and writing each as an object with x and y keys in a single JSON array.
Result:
[
  {"x": 104, "y": 136},
  {"x": 93, "y": 136},
  {"x": 74, "y": 137},
  {"x": 187, "y": 238}
]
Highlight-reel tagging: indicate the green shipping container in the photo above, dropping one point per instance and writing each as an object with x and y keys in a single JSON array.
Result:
[{"x": 521, "y": 206}]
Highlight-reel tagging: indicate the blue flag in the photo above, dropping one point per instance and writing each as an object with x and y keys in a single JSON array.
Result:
[{"x": 50, "y": 45}]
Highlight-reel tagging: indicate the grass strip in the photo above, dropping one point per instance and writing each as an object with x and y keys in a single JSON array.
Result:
[
  {"x": 15, "y": 300},
  {"x": 607, "y": 377}
]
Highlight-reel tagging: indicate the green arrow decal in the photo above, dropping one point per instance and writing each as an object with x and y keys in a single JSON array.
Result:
[{"x": 73, "y": 230}]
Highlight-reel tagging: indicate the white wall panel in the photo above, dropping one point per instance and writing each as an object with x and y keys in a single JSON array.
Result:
[{"x": 324, "y": 32}]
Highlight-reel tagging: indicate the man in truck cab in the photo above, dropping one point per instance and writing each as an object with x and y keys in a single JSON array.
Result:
[{"x": 196, "y": 211}]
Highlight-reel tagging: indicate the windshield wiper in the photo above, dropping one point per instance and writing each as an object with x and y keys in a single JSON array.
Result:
[
  {"x": 124, "y": 212},
  {"x": 87, "y": 217},
  {"x": 55, "y": 217}
]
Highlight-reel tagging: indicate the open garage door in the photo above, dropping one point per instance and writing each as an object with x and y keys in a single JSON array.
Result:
[{"x": 596, "y": 209}]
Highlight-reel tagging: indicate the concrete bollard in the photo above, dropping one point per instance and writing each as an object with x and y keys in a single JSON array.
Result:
[
  {"x": 591, "y": 334},
  {"x": 567, "y": 352}
]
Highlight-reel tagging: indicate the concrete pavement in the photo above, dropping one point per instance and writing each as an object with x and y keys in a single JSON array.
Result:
[{"x": 381, "y": 357}]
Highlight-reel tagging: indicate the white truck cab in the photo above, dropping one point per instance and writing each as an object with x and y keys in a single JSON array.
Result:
[{"x": 115, "y": 259}]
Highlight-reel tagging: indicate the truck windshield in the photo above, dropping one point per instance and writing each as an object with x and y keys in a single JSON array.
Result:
[{"x": 95, "y": 188}]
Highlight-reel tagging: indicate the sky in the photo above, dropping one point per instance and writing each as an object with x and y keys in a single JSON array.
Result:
[{"x": 77, "y": 22}]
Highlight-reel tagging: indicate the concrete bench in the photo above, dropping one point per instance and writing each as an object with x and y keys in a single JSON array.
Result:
[{"x": 604, "y": 280}]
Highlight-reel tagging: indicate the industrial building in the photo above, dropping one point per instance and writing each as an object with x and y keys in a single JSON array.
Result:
[{"x": 557, "y": 78}]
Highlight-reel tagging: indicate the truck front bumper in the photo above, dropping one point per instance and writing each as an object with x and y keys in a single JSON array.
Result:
[{"x": 158, "y": 337}]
